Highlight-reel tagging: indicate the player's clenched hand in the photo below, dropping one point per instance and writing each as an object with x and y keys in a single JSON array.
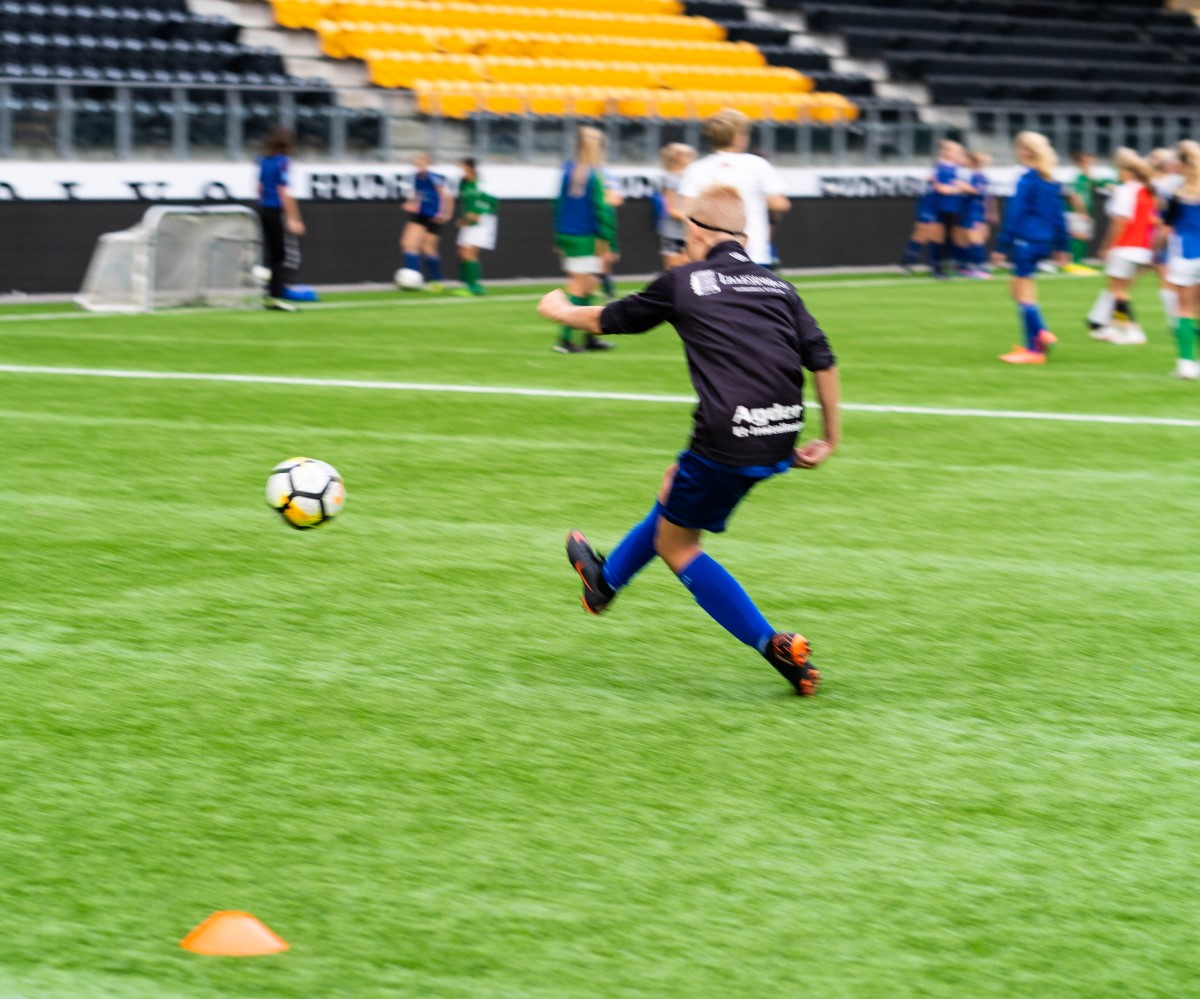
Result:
[
  {"x": 553, "y": 305},
  {"x": 812, "y": 454}
]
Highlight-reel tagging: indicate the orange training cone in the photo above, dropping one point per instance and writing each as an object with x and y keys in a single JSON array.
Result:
[{"x": 232, "y": 934}]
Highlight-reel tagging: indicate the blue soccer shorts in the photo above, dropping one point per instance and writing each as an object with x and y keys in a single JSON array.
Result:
[
  {"x": 705, "y": 493},
  {"x": 1026, "y": 256}
]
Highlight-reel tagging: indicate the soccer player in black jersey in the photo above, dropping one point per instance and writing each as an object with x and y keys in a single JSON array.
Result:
[{"x": 748, "y": 339}]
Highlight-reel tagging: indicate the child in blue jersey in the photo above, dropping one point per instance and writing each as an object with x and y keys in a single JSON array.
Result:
[
  {"x": 949, "y": 187},
  {"x": 431, "y": 207},
  {"x": 1034, "y": 228},
  {"x": 978, "y": 215},
  {"x": 1182, "y": 222},
  {"x": 924, "y": 230},
  {"x": 280, "y": 217}
]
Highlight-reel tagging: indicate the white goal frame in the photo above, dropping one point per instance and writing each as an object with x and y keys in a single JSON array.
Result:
[{"x": 177, "y": 255}]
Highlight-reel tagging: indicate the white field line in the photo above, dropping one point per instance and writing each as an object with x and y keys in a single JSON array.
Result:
[
  {"x": 547, "y": 393},
  {"x": 414, "y": 299}
]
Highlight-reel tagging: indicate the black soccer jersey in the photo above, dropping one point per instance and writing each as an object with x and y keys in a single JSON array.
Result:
[{"x": 748, "y": 339}]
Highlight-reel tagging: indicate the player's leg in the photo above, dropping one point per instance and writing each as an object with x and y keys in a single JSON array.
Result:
[
  {"x": 979, "y": 239},
  {"x": 604, "y": 578},
  {"x": 1188, "y": 366},
  {"x": 961, "y": 239},
  {"x": 721, "y": 596},
  {"x": 1128, "y": 330},
  {"x": 940, "y": 244},
  {"x": 1168, "y": 294},
  {"x": 432, "y": 257},
  {"x": 410, "y": 245},
  {"x": 481, "y": 236},
  {"x": 273, "y": 250},
  {"x": 1037, "y": 340},
  {"x": 914, "y": 249},
  {"x": 1100, "y": 317},
  {"x": 468, "y": 266}
]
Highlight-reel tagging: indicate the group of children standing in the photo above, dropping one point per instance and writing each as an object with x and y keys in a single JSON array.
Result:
[
  {"x": 1153, "y": 211},
  {"x": 954, "y": 215}
]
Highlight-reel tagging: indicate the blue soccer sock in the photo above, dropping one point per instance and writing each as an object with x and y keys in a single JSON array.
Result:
[
  {"x": 723, "y": 599},
  {"x": 634, "y": 552},
  {"x": 912, "y": 253},
  {"x": 412, "y": 262},
  {"x": 935, "y": 256},
  {"x": 1031, "y": 318},
  {"x": 433, "y": 268}
]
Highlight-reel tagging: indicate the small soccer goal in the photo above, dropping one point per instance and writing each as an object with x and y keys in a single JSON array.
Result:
[{"x": 177, "y": 255}]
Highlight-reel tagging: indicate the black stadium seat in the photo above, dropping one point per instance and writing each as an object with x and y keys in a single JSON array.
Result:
[
  {"x": 757, "y": 34},
  {"x": 804, "y": 60},
  {"x": 717, "y": 10},
  {"x": 851, "y": 84}
]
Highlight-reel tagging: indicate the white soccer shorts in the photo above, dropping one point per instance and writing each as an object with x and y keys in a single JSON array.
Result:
[
  {"x": 1183, "y": 272},
  {"x": 582, "y": 265},
  {"x": 482, "y": 234},
  {"x": 1123, "y": 261}
]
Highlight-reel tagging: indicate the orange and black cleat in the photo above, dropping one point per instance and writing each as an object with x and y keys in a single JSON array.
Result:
[
  {"x": 597, "y": 594},
  {"x": 789, "y": 654}
]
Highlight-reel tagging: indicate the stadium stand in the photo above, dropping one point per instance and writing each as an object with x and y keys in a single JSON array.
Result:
[
  {"x": 1065, "y": 52},
  {"x": 158, "y": 61},
  {"x": 634, "y": 58}
]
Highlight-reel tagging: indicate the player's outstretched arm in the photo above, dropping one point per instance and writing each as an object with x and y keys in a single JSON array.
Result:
[
  {"x": 559, "y": 309},
  {"x": 816, "y": 451}
]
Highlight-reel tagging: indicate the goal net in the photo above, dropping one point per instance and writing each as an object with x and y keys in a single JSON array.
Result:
[{"x": 177, "y": 255}]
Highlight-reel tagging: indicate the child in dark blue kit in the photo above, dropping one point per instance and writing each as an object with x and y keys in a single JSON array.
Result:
[
  {"x": 748, "y": 340},
  {"x": 1034, "y": 228}
]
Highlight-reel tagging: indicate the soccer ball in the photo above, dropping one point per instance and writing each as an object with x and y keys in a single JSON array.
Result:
[
  {"x": 260, "y": 273},
  {"x": 409, "y": 280},
  {"x": 306, "y": 492}
]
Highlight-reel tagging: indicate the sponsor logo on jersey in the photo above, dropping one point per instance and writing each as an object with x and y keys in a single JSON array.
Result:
[{"x": 705, "y": 283}]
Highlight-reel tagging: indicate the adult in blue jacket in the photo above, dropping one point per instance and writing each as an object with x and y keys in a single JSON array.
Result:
[{"x": 1034, "y": 228}]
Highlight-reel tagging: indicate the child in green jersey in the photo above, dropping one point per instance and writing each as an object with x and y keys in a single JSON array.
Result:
[{"x": 477, "y": 224}]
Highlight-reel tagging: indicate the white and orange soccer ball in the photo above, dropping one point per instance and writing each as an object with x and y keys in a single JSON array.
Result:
[{"x": 305, "y": 492}]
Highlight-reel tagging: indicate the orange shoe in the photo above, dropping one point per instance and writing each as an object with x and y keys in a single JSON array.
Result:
[
  {"x": 1046, "y": 340},
  {"x": 1019, "y": 355}
]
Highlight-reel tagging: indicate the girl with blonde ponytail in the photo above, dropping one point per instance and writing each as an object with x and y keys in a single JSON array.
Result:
[
  {"x": 1132, "y": 225},
  {"x": 1182, "y": 221},
  {"x": 1034, "y": 228}
]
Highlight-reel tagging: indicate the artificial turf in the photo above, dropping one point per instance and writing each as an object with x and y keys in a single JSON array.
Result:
[{"x": 399, "y": 741}]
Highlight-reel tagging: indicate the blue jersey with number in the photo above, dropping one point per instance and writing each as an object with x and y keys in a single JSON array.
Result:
[{"x": 426, "y": 189}]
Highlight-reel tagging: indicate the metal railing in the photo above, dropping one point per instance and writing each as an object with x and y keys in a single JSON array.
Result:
[
  {"x": 122, "y": 120},
  {"x": 1099, "y": 130},
  {"x": 72, "y": 119}
]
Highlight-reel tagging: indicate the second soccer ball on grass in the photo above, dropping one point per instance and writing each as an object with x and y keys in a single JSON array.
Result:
[{"x": 408, "y": 279}]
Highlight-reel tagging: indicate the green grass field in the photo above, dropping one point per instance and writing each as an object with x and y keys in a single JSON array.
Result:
[{"x": 401, "y": 744}]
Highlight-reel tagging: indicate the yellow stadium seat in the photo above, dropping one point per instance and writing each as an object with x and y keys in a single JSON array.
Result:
[
  {"x": 448, "y": 99},
  {"x": 503, "y": 98},
  {"x": 402, "y": 69},
  {"x": 547, "y": 101}
]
